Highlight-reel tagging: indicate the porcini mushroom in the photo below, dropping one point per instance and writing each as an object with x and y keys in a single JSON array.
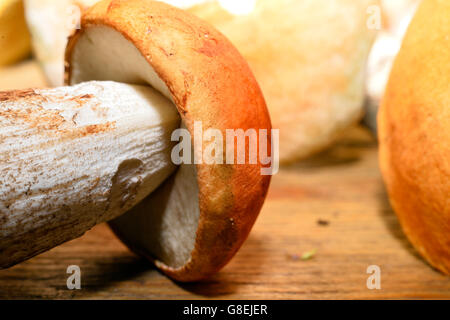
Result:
[
  {"x": 198, "y": 218},
  {"x": 414, "y": 134}
]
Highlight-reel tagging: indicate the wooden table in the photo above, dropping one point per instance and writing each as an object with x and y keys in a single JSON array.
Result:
[{"x": 334, "y": 203}]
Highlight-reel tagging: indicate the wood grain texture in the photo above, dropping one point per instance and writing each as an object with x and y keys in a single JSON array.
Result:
[{"x": 342, "y": 187}]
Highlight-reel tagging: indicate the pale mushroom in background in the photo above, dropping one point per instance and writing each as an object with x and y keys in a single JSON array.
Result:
[
  {"x": 14, "y": 36},
  {"x": 309, "y": 57}
]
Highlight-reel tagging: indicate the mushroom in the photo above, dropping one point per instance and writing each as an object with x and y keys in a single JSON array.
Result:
[
  {"x": 197, "y": 219},
  {"x": 397, "y": 16},
  {"x": 414, "y": 134},
  {"x": 50, "y": 23},
  {"x": 309, "y": 56},
  {"x": 14, "y": 37}
]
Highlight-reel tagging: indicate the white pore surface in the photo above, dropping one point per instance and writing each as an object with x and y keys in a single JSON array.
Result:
[{"x": 165, "y": 224}]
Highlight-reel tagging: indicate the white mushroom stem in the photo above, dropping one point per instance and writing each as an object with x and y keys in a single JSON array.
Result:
[{"x": 73, "y": 157}]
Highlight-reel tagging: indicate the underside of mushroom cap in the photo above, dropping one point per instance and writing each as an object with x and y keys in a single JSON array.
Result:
[{"x": 197, "y": 220}]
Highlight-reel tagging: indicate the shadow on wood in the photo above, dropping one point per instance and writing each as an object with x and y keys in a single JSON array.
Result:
[{"x": 392, "y": 224}]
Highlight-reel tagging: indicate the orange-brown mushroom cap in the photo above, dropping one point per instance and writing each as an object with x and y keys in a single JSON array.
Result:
[
  {"x": 209, "y": 81},
  {"x": 414, "y": 134}
]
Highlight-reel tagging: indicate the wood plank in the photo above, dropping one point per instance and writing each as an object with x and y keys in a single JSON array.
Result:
[{"x": 342, "y": 187}]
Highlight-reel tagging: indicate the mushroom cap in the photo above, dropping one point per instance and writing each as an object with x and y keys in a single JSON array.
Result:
[
  {"x": 190, "y": 227},
  {"x": 414, "y": 132}
]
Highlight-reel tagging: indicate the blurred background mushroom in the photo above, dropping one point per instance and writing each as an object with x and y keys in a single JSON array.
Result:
[{"x": 317, "y": 77}]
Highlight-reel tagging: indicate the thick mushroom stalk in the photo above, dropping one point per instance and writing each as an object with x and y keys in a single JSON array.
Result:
[{"x": 73, "y": 157}]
